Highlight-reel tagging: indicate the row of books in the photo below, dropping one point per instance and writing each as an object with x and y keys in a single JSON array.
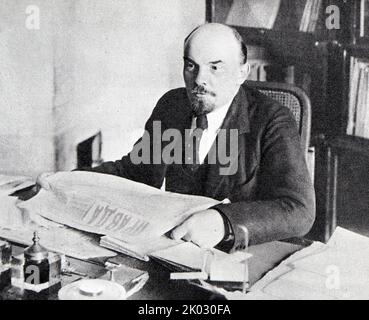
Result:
[
  {"x": 310, "y": 15},
  {"x": 358, "y": 113},
  {"x": 302, "y": 15},
  {"x": 263, "y": 70},
  {"x": 257, "y": 70}
]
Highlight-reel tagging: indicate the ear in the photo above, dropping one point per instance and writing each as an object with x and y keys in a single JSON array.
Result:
[{"x": 244, "y": 73}]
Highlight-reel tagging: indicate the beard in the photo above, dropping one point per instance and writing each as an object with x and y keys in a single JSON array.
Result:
[{"x": 201, "y": 104}]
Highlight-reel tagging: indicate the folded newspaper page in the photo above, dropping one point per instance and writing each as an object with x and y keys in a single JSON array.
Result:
[
  {"x": 18, "y": 226},
  {"x": 141, "y": 250},
  {"x": 10, "y": 184},
  {"x": 113, "y": 206}
]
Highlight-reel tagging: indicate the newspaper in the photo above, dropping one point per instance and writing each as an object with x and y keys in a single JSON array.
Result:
[
  {"x": 141, "y": 250},
  {"x": 10, "y": 184},
  {"x": 113, "y": 206},
  {"x": 68, "y": 241},
  {"x": 18, "y": 226}
]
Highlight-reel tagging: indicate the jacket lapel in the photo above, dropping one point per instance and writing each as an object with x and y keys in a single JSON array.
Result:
[{"x": 218, "y": 181}]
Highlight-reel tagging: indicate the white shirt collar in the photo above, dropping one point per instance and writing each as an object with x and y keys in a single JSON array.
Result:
[{"x": 215, "y": 118}]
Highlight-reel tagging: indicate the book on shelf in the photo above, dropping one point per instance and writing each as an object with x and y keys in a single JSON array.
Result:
[
  {"x": 358, "y": 105},
  {"x": 315, "y": 15},
  {"x": 253, "y": 13},
  {"x": 310, "y": 16},
  {"x": 279, "y": 73},
  {"x": 364, "y": 18},
  {"x": 281, "y": 15},
  {"x": 257, "y": 70},
  {"x": 263, "y": 70},
  {"x": 257, "y": 59},
  {"x": 304, "y": 20}
]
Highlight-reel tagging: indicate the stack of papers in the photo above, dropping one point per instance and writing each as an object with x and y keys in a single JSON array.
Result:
[
  {"x": 17, "y": 225},
  {"x": 11, "y": 184},
  {"x": 70, "y": 242},
  {"x": 132, "y": 218},
  {"x": 338, "y": 270}
]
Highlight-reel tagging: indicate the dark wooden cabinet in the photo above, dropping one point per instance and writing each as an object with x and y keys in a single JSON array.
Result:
[{"x": 342, "y": 186}]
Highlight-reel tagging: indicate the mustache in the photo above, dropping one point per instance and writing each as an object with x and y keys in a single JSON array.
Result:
[{"x": 202, "y": 90}]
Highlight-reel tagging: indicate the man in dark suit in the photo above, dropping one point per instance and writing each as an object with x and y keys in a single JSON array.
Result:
[{"x": 217, "y": 118}]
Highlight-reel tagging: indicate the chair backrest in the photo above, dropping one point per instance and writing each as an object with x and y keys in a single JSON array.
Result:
[{"x": 294, "y": 99}]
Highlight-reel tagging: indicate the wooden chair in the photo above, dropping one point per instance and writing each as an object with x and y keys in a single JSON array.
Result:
[{"x": 298, "y": 102}]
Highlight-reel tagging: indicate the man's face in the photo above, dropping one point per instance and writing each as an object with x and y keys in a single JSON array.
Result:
[{"x": 212, "y": 70}]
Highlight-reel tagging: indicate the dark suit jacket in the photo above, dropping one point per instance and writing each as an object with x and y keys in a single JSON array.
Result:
[{"x": 271, "y": 192}]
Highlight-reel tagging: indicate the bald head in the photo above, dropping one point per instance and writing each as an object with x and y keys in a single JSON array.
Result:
[
  {"x": 214, "y": 66},
  {"x": 220, "y": 33}
]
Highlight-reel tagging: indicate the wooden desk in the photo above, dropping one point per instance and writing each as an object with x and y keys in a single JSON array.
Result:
[{"x": 159, "y": 287}]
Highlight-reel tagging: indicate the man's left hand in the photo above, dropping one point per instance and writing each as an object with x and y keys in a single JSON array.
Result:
[{"x": 204, "y": 228}]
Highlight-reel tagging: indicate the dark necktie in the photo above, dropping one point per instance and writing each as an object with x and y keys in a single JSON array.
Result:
[
  {"x": 202, "y": 122},
  {"x": 201, "y": 125}
]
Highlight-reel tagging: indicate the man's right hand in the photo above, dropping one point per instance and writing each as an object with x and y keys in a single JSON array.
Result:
[{"x": 41, "y": 181}]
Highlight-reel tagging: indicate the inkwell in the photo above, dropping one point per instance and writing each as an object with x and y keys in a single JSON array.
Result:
[
  {"x": 35, "y": 271},
  {"x": 5, "y": 268},
  {"x": 36, "y": 263}
]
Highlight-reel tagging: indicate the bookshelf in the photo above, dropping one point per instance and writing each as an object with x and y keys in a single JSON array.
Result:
[
  {"x": 360, "y": 22},
  {"x": 287, "y": 16},
  {"x": 319, "y": 59},
  {"x": 313, "y": 56}
]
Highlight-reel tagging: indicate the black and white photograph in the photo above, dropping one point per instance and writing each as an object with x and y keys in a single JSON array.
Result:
[{"x": 200, "y": 151}]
